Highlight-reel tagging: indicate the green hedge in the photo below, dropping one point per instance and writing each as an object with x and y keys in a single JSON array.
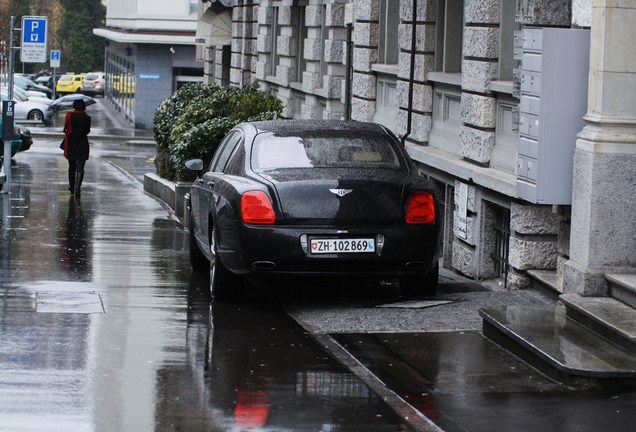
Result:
[{"x": 192, "y": 122}]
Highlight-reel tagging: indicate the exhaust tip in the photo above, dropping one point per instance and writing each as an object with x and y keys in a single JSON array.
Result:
[
  {"x": 414, "y": 265},
  {"x": 263, "y": 265}
]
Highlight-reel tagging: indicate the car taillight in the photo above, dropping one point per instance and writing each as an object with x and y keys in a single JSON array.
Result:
[
  {"x": 421, "y": 208},
  {"x": 256, "y": 208},
  {"x": 96, "y": 81}
]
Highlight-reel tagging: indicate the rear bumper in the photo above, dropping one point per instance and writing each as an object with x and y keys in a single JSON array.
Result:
[{"x": 277, "y": 250}]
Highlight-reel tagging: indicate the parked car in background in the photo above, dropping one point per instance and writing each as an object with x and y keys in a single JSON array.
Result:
[
  {"x": 313, "y": 198},
  {"x": 69, "y": 83},
  {"x": 26, "y": 140},
  {"x": 26, "y": 109},
  {"x": 16, "y": 141},
  {"x": 45, "y": 80},
  {"x": 93, "y": 83},
  {"x": 24, "y": 95},
  {"x": 31, "y": 86}
]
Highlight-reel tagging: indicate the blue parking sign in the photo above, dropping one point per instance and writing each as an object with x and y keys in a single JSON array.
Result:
[{"x": 34, "y": 39}]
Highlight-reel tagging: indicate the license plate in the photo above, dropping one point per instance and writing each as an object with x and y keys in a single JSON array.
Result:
[{"x": 353, "y": 245}]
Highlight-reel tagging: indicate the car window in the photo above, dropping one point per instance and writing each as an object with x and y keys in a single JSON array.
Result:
[
  {"x": 224, "y": 151},
  {"x": 360, "y": 151}
]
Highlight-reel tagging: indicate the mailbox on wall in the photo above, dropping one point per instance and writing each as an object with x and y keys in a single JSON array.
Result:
[{"x": 553, "y": 83}]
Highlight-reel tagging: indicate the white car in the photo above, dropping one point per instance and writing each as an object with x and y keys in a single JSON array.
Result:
[
  {"x": 93, "y": 83},
  {"x": 25, "y": 95},
  {"x": 26, "y": 109}
]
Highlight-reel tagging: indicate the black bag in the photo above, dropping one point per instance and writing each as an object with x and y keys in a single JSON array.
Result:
[{"x": 62, "y": 145}]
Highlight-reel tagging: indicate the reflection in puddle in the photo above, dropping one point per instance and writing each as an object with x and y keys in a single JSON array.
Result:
[{"x": 256, "y": 369}]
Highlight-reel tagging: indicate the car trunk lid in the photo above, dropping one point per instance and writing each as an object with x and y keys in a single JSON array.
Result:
[{"x": 371, "y": 196}]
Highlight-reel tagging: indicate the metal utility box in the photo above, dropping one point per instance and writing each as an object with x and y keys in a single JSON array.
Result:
[{"x": 553, "y": 101}]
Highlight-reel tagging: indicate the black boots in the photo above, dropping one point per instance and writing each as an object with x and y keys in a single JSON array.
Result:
[
  {"x": 71, "y": 181},
  {"x": 77, "y": 184}
]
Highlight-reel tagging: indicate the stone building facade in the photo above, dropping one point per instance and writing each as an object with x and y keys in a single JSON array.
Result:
[{"x": 447, "y": 76}]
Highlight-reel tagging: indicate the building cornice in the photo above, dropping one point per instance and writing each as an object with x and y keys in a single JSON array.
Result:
[{"x": 146, "y": 37}]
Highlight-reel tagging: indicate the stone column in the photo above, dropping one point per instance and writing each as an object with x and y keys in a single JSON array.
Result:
[{"x": 603, "y": 233}]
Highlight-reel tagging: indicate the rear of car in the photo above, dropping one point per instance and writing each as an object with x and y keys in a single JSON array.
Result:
[
  {"x": 330, "y": 198},
  {"x": 93, "y": 83}
]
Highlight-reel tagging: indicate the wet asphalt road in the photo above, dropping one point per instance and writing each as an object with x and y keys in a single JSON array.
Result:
[{"x": 103, "y": 327}]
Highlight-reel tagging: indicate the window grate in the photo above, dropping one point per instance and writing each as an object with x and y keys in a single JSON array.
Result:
[{"x": 501, "y": 228}]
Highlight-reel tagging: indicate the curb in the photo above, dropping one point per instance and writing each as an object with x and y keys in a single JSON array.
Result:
[{"x": 173, "y": 194}]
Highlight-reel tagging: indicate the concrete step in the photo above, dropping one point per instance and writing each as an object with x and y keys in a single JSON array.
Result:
[
  {"x": 607, "y": 316},
  {"x": 547, "y": 339},
  {"x": 623, "y": 287},
  {"x": 545, "y": 281}
]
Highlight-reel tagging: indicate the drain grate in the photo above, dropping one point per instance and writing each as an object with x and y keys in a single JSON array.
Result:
[{"x": 69, "y": 302}]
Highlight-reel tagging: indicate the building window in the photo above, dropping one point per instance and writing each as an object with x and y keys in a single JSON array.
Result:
[
  {"x": 507, "y": 28},
  {"x": 501, "y": 230},
  {"x": 275, "y": 33},
  {"x": 386, "y": 102},
  {"x": 450, "y": 28},
  {"x": 324, "y": 36},
  {"x": 388, "y": 49},
  {"x": 301, "y": 35},
  {"x": 504, "y": 153},
  {"x": 446, "y": 118}
]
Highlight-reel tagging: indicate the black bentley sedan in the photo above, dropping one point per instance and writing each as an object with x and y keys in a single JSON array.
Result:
[{"x": 307, "y": 197}]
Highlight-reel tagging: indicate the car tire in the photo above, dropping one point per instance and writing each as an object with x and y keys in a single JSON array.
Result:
[
  {"x": 220, "y": 277},
  {"x": 35, "y": 115},
  {"x": 425, "y": 285},
  {"x": 198, "y": 261}
]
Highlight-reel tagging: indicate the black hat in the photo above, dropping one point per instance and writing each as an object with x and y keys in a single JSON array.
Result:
[{"x": 79, "y": 104}]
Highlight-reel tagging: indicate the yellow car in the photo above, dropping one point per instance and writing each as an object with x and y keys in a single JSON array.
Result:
[{"x": 69, "y": 83}]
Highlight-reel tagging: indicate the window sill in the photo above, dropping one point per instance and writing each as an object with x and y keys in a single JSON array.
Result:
[
  {"x": 454, "y": 79},
  {"x": 453, "y": 164},
  {"x": 501, "y": 87},
  {"x": 387, "y": 69}
]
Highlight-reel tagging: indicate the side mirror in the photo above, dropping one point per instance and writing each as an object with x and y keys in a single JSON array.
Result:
[{"x": 195, "y": 165}]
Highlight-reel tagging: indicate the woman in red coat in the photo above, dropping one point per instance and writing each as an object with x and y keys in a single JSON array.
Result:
[{"x": 77, "y": 126}]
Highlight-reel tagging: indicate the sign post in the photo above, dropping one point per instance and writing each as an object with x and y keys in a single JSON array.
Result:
[
  {"x": 6, "y": 161},
  {"x": 34, "y": 39},
  {"x": 55, "y": 63}
]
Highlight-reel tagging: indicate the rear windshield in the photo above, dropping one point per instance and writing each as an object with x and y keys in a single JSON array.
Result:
[
  {"x": 272, "y": 152},
  {"x": 91, "y": 76}
]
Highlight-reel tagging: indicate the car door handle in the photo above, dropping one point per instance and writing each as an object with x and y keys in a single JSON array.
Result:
[
  {"x": 199, "y": 181},
  {"x": 211, "y": 183}
]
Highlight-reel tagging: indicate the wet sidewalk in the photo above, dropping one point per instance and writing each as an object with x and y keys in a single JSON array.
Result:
[{"x": 430, "y": 360}]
